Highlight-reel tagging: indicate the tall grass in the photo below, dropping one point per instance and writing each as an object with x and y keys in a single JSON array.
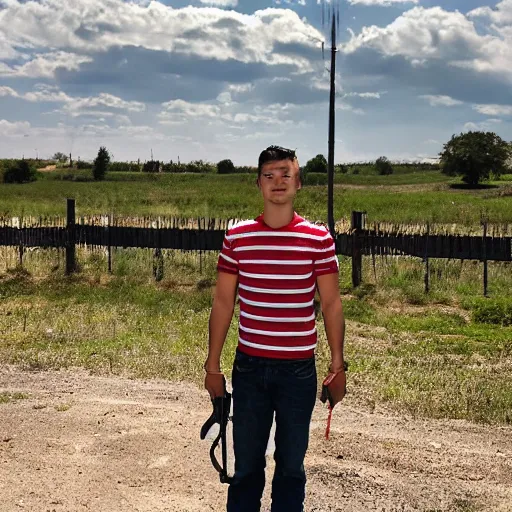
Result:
[{"x": 434, "y": 355}]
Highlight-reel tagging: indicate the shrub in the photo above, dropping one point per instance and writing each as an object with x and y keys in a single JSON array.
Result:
[
  {"x": 383, "y": 166},
  {"x": 493, "y": 311},
  {"x": 81, "y": 164},
  {"x": 101, "y": 164},
  {"x": 315, "y": 178},
  {"x": 225, "y": 167},
  {"x": 316, "y": 164},
  {"x": 124, "y": 167},
  {"x": 19, "y": 171},
  {"x": 151, "y": 166}
]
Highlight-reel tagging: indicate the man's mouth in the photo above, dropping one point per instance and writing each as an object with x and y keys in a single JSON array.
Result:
[{"x": 279, "y": 190}]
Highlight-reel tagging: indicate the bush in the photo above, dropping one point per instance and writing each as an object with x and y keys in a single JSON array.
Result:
[
  {"x": 225, "y": 167},
  {"x": 316, "y": 164},
  {"x": 151, "y": 166},
  {"x": 81, "y": 165},
  {"x": 493, "y": 311},
  {"x": 314, "y": 178},
  {"x": 101, "y": 164},
  {"x": 19, "y": 171},
  {"x": 383, "y": 166},
  {"x": 124, "y": 167}
]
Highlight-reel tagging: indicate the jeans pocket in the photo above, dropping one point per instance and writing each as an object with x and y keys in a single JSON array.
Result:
[
  {"x": 301, "y": 370},
  {"x": 244, "y": 364}
]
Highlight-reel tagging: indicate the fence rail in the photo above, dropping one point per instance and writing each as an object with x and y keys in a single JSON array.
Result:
[{"x": 208, "y": 234}]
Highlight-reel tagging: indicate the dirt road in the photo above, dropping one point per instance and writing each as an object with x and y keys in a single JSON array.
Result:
[{"x": 78, "y": 442}]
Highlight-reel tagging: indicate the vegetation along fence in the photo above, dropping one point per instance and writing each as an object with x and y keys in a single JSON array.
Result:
[{"x": 207, "y": 235}]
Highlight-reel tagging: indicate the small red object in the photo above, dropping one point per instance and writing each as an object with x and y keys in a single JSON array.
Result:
[{"x": 328, "y": 428}]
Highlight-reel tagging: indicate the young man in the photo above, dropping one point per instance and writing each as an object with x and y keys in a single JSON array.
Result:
[{"x": 277, "y": 261}]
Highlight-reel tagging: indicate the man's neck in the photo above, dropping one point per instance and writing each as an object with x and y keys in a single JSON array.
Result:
[{"x": 277, "y": 216}]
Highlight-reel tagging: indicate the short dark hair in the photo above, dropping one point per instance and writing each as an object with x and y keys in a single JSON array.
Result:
[{"x": 273, "y": 153}]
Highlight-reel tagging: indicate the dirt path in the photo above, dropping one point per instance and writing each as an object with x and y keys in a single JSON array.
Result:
[{"x": 81, "y": 442}]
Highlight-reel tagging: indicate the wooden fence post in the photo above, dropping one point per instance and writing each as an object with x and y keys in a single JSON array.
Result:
[
  {"x": 109, "y": 241},
  {"x": 357, "y": 225},
  {"x": 158, "y": 259},
  {"x": 70, "y": 246},
  {"x": 427, "y": 283},
  {"x": 484, "y": 258}
]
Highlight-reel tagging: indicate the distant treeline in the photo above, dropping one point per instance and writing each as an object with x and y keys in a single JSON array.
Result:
[{"x": 25, "y": 169}]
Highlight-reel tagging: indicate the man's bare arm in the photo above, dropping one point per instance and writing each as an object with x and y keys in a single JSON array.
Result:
[
  {"x": 220, "y": 318},
  {"x": 332, "y": 311}
]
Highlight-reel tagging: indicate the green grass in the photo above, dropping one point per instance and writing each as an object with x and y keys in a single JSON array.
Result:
[
  {"x": 400, "y": 198},
  {"x": 427, "y": 355},
  {"x": 6, "y": 398}
]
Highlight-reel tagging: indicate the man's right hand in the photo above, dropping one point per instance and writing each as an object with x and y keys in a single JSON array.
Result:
[{"x": 215, "y": 384}]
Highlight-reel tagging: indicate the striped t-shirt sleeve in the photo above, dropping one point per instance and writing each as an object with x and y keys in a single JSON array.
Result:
[
  {"x": 326, "y": 261},
  {"x": 227, "y": 259}
]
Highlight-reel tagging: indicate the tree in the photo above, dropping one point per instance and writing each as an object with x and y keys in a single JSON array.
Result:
[
  {"x": 383, "y": 166},
  {"x": 225, "y": 167},
  {"x": 475, "y": 156},
  {"x": 316, "y": 164},
  {"x": 101, "y": 163},
  {"x": 19, "y": 171},
  {"x": 60, "y": 157}
]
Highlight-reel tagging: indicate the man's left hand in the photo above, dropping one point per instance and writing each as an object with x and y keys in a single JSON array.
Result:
[{"x": 334, "y": 388}]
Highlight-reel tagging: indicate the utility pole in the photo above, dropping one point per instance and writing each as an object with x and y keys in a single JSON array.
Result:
[{"x": 332, "y": 117}]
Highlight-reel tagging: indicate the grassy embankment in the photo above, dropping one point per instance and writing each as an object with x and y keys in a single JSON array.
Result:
[{"x": 446, "y": 354}]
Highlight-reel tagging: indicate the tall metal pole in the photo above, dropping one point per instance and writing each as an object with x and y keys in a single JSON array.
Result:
[{"x": 330, "y": 160}]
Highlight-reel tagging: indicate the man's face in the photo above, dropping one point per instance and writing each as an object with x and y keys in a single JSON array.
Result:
[{"x": 279, "y": 181}]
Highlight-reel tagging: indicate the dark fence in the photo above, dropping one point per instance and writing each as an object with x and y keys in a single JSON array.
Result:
[{"x": 207, "y": 235}]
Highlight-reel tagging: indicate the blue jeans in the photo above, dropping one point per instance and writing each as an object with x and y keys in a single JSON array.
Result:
[{"x": 260, "y": 387}]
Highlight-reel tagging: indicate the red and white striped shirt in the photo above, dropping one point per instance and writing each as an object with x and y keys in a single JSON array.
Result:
[{"x": 277, "y": 271}]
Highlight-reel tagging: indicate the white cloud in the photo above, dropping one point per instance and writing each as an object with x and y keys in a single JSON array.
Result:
[
  {"x": 81, "y": 28},
  {"x": 7, "y": 91},
  {"x": 364, "y": 95},
  {"x": 441, "y": 101},
  {"x": 179, "y": 111},
  {"x": 220, "y": 3},
  {"x": 501, "y": 15},
  {"x": 350, "y": 108},
  {"x": 74, "y": 105},
  {"x": 17, "y": 129},
  {"x": 384, "y": 3},
  {"x": 487, "y": 125},
  {"x": 45, "y": 65},
  {"x": 422, "y": 35},
  {"x": 104, "y": 100},
  {"x": 494, "y": 110}
]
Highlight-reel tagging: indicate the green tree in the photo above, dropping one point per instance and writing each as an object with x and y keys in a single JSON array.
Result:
[
  {"x": 101, "y": 163},
  {"x": 60, "y": 157},
  {"x": 383, "y": 166},
  {"x": 316, "y": 164},
  {"x": 476, "y": 156},
  {"x": 225, "y": 167},
  {"x": 19, "y": 171}
]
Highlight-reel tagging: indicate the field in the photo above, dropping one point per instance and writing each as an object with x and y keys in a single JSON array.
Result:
[
  {"x": 445, "y": 356},
  {"x": 401, "y": 198}
]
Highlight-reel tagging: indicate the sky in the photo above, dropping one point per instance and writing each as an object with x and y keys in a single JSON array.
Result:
[{"x": 215, "y": 79}]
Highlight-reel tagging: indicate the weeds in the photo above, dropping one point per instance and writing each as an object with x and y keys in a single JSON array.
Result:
[{"x": 427, "y": 354}]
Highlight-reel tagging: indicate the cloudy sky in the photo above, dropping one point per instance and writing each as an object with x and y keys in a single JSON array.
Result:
[{"x": 199, "y": 79}]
